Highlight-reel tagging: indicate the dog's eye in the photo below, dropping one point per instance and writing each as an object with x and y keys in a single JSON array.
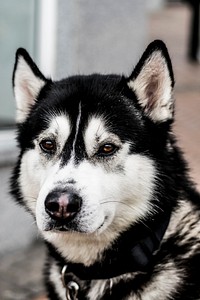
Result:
[
  {"x": 48, "y": 146},
  {"x": 107, "y": 150}
]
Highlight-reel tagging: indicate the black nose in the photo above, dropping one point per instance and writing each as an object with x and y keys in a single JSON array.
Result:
[{"x": 62, "y": 205}]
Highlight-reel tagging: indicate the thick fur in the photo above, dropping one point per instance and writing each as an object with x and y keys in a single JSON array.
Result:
[{"x": 141, "y": 179}]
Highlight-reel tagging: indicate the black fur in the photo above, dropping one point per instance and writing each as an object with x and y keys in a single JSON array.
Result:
[{"x": 109, "y": 96}]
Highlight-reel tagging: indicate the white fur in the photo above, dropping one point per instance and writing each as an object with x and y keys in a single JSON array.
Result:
[
  {"x": 155, "y": 68},
  {"x": 161, "y": 286},
  {"x": 35, "y": 167},
  {"x": 164, "y": 284},
  {"x": 77, "y": 129},
  {"x": 111, "y": 199},
  {"x": 59, "y": 129},
  {"x": 55, "y": 278},
  {"x": 98, "y": 289},
  {"x": 187, "y": 224},
  {"x": 96, "y": 134},
  {"x": 26, "y": 88},
  {"x": 30, "y": 179}
]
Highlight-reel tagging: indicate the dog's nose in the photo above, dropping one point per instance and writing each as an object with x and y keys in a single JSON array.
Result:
[{"x": 62, "y": 205}]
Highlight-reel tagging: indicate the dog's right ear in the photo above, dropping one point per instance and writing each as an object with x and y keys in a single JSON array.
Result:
[
  {"x": 27, "y": 83},
  {"x": 152, "y": 81}
]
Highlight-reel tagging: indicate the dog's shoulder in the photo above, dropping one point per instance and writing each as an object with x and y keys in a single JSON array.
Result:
[{"x": 182, "y": 239}]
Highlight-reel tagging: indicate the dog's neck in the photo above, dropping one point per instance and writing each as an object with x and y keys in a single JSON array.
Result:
[{"x": 133, "y": 251}]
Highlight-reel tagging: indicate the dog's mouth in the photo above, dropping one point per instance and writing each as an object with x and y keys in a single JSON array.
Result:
[
  {"x": 100, "y": 228},
  {"x": 55, "y": 226}
]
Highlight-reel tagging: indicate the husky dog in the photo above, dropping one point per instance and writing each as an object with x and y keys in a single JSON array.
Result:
[{"x": 100, "y": 172}]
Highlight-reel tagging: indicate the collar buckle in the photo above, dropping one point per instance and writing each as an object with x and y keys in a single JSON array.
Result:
[{"x": 71, "y": 287}]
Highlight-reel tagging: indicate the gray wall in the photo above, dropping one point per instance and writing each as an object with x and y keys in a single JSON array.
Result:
[
  {"x": 100, "y": 36},
  {"x": 16, "y": 30},
  {"x": 17, "y": 228}
]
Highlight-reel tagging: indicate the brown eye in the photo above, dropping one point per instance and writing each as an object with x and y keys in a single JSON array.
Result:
[
  {"x": 107, "y": 150},
  {"x": 48, "y": 146}
]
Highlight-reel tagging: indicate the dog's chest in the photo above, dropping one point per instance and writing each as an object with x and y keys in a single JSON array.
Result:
[{"x": 127, "y": 286}]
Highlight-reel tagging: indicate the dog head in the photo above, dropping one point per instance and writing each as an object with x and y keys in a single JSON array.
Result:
[{"x": 91, "y": 146}]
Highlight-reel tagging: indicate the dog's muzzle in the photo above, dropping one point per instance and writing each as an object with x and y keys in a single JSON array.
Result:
[{"x": 62, "y": 205}]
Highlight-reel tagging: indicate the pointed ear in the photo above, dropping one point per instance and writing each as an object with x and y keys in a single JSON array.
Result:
[
  {"x": 152, "y": 82},
  {"x": 27, "y": 83}
]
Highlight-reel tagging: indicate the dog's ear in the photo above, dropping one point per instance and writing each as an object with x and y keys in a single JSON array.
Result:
[
  {"x": 27, "y": 83},
  {"x": 152, "y": 82}
]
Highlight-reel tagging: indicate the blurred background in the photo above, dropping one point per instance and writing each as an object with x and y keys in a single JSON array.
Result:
[{"x": 69, "y": 36}]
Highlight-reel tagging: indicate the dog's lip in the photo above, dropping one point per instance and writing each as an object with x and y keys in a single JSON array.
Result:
[
  {"x": 58, "y": 227},
  {"x": 103, "y": 223},
  {"x": 62, "y": 228},
  {"x": 66, "y": 229},
  {"x": 100, "y": 226}
]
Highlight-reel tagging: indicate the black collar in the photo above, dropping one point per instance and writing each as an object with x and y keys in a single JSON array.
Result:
[
  {"x": 134, "y": 251},
  {"x": 132, "y": 255}
]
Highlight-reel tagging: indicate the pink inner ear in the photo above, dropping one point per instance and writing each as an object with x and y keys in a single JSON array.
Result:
[
  {"x": 151, "y": 90},
  {"x": 27, "y": 91},
  {"x": 27, "y": 85}
]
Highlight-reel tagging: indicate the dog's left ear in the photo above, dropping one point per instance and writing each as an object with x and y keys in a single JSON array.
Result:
[
  {"x": 27, "y": 84},
  {"x": 152, "y": 81}
]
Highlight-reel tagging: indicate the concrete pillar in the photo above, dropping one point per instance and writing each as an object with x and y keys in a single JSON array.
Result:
[{"x": 99, "y": 36}]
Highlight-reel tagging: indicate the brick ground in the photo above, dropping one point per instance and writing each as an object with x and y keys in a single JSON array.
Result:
[{"x": 20, "y": 275}]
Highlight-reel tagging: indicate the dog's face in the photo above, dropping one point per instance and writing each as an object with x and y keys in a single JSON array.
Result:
[{"x": 90, "y": 144}]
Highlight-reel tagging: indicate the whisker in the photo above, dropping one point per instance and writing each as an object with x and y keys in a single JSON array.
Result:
[
  {"x": 31, "y": 198},
  {"x": 33, "y": 223},
  {"x": 156, "y": 209},
  {"x": 115, "y": 201}
]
